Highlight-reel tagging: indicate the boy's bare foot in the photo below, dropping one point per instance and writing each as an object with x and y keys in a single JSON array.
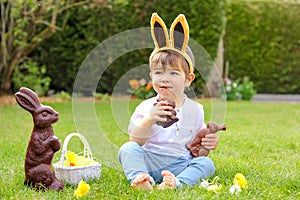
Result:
[
  {"x": 142, "y": 182},
  {"x": 169, "y": 181}
]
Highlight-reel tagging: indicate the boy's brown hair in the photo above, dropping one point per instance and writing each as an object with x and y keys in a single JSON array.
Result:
[{"x": 169, "y": 58}]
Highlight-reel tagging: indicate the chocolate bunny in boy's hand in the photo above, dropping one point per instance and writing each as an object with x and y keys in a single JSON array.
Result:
[
  {"x": 42, "y": 145},
  {"x": 195, "y": 147},
  {"x": 171, "y": 119}
]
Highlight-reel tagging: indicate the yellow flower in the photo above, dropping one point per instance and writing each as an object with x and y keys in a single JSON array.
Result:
[
  {"x": 240, "y": 180},
  {"x": 149, "y": 86},
  {"x": 134, "y": 84},
  {"x": 82, "y": 189}
]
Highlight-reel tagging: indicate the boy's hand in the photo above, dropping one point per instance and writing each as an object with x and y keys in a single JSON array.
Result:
[
  {"x": 160, "y": 112},
  {"x": 170, "y": 118},
  {"x": 205, "y": 140},
  {"x": 210, "y": 141}
]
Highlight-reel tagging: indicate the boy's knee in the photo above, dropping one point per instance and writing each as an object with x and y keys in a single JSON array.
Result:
[
  {"x": 206, "y": 163},
  {"x": 129, "y": 148}
]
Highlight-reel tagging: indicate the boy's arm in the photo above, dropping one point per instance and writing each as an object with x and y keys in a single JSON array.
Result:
[{"x": 141, "y": 131}]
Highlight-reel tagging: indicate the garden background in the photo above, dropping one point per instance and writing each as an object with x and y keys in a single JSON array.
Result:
[{"x": 261, "y": 41}]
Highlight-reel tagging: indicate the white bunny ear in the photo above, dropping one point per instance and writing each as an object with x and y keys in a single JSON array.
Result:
[
  {"x": 27, "y": 99},
  {"x": 179, "y": 33},
  {"x": 159, "y": 32}
]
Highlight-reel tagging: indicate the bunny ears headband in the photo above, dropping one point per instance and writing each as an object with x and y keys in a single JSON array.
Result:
[{"x": 178, "y": 40}]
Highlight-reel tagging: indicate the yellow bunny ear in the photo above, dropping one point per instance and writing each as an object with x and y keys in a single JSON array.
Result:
[
  {"x": 179, "y": 37},
  {"x": 179, "y": 33},
  {"x": 159, "y": 32}
]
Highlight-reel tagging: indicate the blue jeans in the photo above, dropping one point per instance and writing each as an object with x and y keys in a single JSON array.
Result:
[{"x": 188, "y": 172}]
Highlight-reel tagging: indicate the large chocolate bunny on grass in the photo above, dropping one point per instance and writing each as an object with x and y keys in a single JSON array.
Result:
[{"x": 42, "y": 144}]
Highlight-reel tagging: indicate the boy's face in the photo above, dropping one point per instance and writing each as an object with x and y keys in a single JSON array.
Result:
[{"x": 169, "y": 82}]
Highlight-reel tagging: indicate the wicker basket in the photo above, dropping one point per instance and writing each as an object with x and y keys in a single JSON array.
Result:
[{"x": 74, "y": 174}]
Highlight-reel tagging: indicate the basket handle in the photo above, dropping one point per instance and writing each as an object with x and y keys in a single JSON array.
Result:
[{"x": 87, "y": 152}]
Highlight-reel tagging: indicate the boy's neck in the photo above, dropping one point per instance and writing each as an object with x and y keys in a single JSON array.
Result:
[{"x": 179, "y": 101}]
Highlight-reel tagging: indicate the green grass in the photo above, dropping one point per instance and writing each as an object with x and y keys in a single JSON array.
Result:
[{"x": 261, "y": 141}]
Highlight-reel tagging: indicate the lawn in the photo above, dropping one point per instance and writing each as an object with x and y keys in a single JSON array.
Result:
[{"x": 261, "y": 142}]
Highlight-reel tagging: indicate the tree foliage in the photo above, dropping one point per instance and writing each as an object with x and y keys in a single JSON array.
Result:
[{"x": 24, "y": 25}]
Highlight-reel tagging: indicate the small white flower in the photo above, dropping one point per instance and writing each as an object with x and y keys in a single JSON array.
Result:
[
  {"x": 228, "y": 88},
  {"x": 234, "y": 84},
  {"x": 235, "y": 189},
  {"x": 204, "y": 184}
]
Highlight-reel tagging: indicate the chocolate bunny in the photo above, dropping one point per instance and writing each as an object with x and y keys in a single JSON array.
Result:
[
  {"x": 42, "y": 144},
  {"x": 170, "y": 119},
  {"x": 195, "y": 147}
]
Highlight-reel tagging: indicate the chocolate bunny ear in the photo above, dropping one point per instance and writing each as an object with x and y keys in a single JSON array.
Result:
[
  {"x": 27, "y": 99},
  {"x": 159, "y": 32},
  {"x": 179, "y": 33}
]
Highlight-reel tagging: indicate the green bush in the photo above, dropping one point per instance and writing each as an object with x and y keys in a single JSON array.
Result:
[
  {"x": 246, "y": 88},
  {"x": 239, "y": 89},
  {"x": 232, "y": 90},
  {"x": 31, "y": 75},
  {"x": 262, "y": 42}
]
